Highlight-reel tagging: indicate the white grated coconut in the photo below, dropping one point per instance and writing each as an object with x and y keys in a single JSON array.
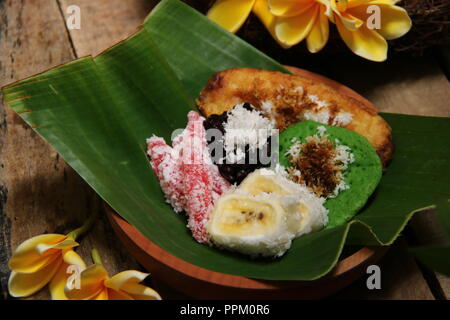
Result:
[{"x": 245, "y": 127}]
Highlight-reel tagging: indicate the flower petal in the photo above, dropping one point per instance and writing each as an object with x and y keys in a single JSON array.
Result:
[
  {"x": 127, "y": 283},
  {"x": 357, "y": 3},
  {"x": 118, "y": 295},
  {"x": 327, "y": 5},
  {"x": 26, "y": 284},
  {"x": 72, "y": 258},
  {"x": 394, "y": 20},
  {"x": 318, "y": 36},
  {"x": 289, "y": 8},
  {"x": 231, "y": 14},
  {"x": 92, "y": 282},
  {"x": 141, "y": 292},
  {"x": 364, "y": 42},
  {"x": 130, "y": 276},
  {"x": 102, "y": 295},
  {"x": 291, "y": 31},
  {"x": 58, "y": 283},
  {"x": 66, "y": 244},
  {"x": 261, "y": 10},
  {"x": 350, "y": 22},
  {"x": 26, "y": 258}
]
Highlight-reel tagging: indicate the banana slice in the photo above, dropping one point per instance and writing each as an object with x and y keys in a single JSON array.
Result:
[
  {"x": 267, "y": 181},
  {"x": 264, "y": 214},
  {"x": 250, "y": 224},
  {"x": 305, "y": 211}
]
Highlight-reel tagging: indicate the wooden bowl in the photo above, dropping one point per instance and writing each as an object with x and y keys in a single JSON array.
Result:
[{"x": 201, "y": 283}]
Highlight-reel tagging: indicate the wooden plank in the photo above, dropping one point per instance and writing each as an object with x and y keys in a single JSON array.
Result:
[
  {"x": 105, "y": 22},
  {"x": 425, "y": 230},
  {"x": 403, "y": 84},
  {"x": 444, "y": 283},
  {"x": 106, "y": 18},
  {"x": 39, "y": 192},
  {"x": 412, "y": 86},
  {"x": 401, "y": 279},
  {"x": 443, "y": 56},
  {"x": 397, "y": 86},
  {"x": 433, "y": 230},
  {"x": 31, "y": 193}
]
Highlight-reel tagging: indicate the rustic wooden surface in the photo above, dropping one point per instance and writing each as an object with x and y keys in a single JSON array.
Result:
[{"x": 39, "y": 193}]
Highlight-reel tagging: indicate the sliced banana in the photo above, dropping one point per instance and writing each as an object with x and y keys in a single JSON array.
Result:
[
  {"x": 250, "y": 224},
  {"x": 265, "y": 181},
  {"x": 306, "y": 212},
  {"x": 264, "y": 214}
]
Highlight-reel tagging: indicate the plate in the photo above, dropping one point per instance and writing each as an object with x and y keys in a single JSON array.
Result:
[{"x": 201, "y": 283}]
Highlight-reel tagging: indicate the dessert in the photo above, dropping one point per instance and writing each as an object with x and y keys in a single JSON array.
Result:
[
  {"x": 244, "y": 192},
  {"x": 287, "y": 99},
  {"x": 264, "y": 214},
  {"x": 189, "y": 180},
  {"x": 337, "y": 164},
  {"x": 244, "y": 139}
]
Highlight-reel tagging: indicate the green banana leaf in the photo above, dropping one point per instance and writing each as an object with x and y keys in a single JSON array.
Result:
[{"x": 97, "y": 113}]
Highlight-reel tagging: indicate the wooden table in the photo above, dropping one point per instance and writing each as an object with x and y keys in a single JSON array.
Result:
[{"x": 40, "y": 193}]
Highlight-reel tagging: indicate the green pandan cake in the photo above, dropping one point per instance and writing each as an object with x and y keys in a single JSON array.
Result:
[{"x": 335, "y": 163}]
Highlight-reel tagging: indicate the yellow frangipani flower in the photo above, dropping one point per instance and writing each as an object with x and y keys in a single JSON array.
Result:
[
  {"x": 231, "y": 14},
  {"x": 291, "y": 21},
  {"x": 95, "y": 284},
  {"x": 300, "y": 19},
  {"x": 45, "y": 259},
  {"x": 351, "y": 18},
  {"x": 41, "y": 260},
  {"x": 58, "y": 283}
]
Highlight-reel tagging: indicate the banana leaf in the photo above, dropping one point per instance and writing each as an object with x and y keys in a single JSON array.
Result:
[{"x": 97, "y": 112}]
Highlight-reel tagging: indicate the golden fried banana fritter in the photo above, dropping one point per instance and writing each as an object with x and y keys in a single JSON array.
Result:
[{"x": 291, "y": 98}]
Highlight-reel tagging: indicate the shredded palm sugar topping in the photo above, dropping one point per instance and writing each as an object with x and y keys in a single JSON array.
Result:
[{"x": 319, "y": 165}]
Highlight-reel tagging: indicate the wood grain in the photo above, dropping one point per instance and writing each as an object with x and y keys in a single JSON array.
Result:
[
  {"x": 410, "y": 85},
  {"x": 425, "y": 231},
  {"x": 33, "y": 192},
  {"x": 401, "y": 279},
  {"x": 403, "y": 84},
  {"x": 105, "y": 22},
  {"x": 39, "y": 192}
]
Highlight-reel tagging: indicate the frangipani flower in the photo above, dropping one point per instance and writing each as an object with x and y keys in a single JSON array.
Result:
[
  {"x": 95, "y": 284},
  {"x": 231, "y": 14},
  {"x": 45, "y": 259},
  {"x": 300, "y": 19},
  {"x": 58, "y": 284},
  {"x": 351, "y": 19},
  {"x": 291, "y": 21},
  {"x": 40, "y": 260}
]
